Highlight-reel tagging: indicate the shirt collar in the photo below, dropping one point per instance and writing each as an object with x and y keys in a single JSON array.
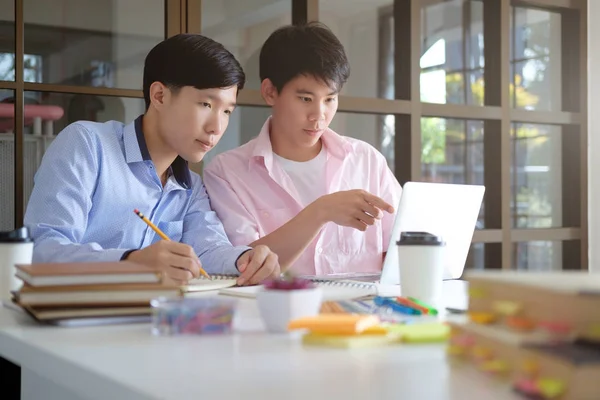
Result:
[
  {"x": 335, "y": 144},
  {"x": 136, "y": 150}
]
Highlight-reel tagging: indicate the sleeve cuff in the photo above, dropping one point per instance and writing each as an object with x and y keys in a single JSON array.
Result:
[
  {"x": 126, "y": 254},
  {"x": 238, "y": 257},
  {"x": 230, "y": 262}
]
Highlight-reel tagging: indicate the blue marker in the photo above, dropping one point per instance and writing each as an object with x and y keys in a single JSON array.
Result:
[{"x": 395, "y": 306}]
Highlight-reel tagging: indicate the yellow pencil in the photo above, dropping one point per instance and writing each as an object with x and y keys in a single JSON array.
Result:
[{"x": 161, "y": 234}]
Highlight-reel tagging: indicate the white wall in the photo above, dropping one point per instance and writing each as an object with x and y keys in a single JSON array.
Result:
[{"x": 593, "y": 130}]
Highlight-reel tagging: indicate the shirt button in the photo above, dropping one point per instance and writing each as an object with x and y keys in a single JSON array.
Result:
[
  {"x": 265, "y": 214},
  {"x": 320, "y": 250}
]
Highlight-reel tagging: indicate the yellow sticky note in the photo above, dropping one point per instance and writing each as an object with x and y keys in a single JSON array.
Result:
[
  {"x": 482, "y": 317},
  {"x": 349, "y": 341},
  {"x": 550, "y": 388},
  {"x": 476, "y": 293},
  {"x": 454, "y": 350},
  {"x": 593, "y": 332},
  {"x": 335, "y": 323},
  {"x": 530, "y": 367},
  {"x": 371, "y": 330},
  {"x": 508, "y": 308},
  {"x": 496, "y": 366},
  {"x": 482, "y": 352},
  {"x": 421, "y": 333}
]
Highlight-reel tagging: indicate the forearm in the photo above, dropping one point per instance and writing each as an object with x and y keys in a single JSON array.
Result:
[
  {"x": 291, "y": 239},
  {"x": 52, "y": 250},
  {"x": 221, "y": 259}
]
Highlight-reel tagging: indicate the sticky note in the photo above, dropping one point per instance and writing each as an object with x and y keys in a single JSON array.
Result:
[
  {"x": 593, "y": 332},
  {"x": 550, "y": 388},
  {"x": 349, "y": 341},
  {"x": 520, "y": 324},
  {"x": 463, "y": 340},
  {"x": 555, "y": 326},
  {"x": 476, "y": 293},
  {"x": 495, "y": 366},
  {"x": 335, "y": 323},
  {"x": 527, "y": 387},
  {"x": 482, "y": 317},
  {"x": 421, "y": 333},
  {"x": 482, "y": 353},
  {"x": 372, "y": 330},
  {"x": 508, "y": 308},
  {"x": 455, "y": 350},
  {"x": 530, "y": 367}
]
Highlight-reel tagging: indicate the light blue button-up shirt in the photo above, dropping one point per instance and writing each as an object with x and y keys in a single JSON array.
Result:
[{"x": 91, "y": 179}]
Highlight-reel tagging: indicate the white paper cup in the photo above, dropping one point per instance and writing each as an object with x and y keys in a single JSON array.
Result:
[
  {"x": 16, "y": 247},
  {"x": 421, "y": 263}
]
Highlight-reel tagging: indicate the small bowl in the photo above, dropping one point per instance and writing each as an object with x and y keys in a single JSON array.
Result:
[{"x": 279, "y": 307}]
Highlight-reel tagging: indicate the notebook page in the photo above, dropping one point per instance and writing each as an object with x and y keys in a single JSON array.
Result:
[
  {"x": 203, "y": 284},
  {"x": 330, "y": 292}
]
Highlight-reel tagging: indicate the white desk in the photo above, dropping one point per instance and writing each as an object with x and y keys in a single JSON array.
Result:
[{"x": 126, "y": 362}]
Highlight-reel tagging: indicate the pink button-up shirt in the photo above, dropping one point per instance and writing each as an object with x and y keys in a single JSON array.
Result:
[{"x": 253, "y": 196}]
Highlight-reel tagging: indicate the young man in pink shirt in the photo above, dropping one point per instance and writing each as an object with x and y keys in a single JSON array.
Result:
[{"x": 324, "y": 203}]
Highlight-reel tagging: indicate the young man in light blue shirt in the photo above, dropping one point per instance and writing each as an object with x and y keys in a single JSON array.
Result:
[{"x": 94, "y": 175}]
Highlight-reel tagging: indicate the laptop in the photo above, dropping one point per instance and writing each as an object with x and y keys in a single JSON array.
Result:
[{"x": 443, "y": 209}]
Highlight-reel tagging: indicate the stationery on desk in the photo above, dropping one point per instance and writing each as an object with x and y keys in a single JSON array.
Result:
[
  {"x": 54, "y": 292},
  {"x": 363, "y": 330},
  {"x": 537, "y": 330}
]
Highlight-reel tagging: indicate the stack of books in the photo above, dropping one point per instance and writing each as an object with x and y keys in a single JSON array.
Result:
[
  {"x": 64, "y": 291},
  {"x": 540, "y": 331}
]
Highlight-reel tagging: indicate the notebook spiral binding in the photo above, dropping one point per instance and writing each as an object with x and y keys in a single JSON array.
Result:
[
  {"x": 216, "y": 277},
  {"x": 344, "y": 283},
  {"x": 317, "y": 281}
]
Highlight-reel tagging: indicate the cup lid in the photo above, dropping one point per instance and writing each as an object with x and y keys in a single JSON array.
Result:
[
  {"x": 420, "y": 239},
  {"x": 20, "y": 235}
]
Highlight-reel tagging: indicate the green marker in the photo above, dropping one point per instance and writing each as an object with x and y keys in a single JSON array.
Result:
[{"x": 430, "y": 310}]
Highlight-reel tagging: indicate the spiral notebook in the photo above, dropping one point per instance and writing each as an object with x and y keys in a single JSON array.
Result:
[
  {"x": 215, "y": 282},
  {"x": 333, "y": 290}
]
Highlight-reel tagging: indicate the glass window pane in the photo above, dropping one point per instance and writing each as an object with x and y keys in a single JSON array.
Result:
[
  {"x": 538, "y": 256},
  {"x": 366, "y": 29},
  {"x": 476, "y": 257},
  {"x": 536, "y": 59},
  {"x": 452, "y": 152},
  {"x": 377, "y": 130},
  {"x": 536, "y": 174},
  {"x": 7, "y": 40},
  {"x": 366, "y": 127},
  {"x": 452, "y": 59},
  {"x": 90, "y": 43},
  {"x": 62, "y": 109},
  {"x": 242, "y": 26},
  {"x": 7, "y": 160}
]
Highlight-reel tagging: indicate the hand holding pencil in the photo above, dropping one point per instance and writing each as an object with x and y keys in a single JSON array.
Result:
[{"x": 177, "y": 260}]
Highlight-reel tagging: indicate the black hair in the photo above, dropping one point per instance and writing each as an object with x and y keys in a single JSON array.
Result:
[
  {"x": 191, "y": 60},
  {"x": 309, "y": 49}
]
